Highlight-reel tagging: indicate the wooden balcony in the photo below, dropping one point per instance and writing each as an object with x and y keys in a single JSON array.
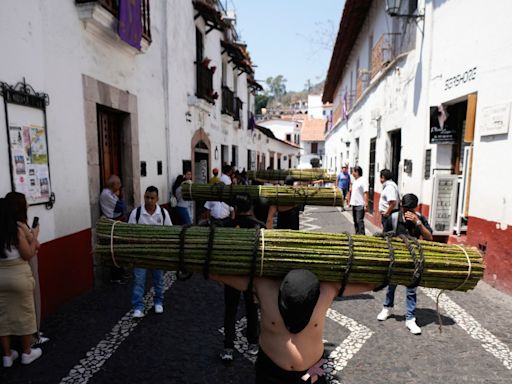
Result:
[
  {"x": 205, "y": 83},
  {"x": 112, "y": 6},
  {"x": 228, "y": 101},
  {"x": 383, "y": 52},
  {"x": 238, "y": 109}
]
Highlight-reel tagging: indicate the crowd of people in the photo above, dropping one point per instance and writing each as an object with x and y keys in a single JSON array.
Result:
[{"x": 293, "y": 308}]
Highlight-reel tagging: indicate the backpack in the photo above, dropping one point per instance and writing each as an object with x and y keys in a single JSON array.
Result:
[{"x": 137, "y": 215}]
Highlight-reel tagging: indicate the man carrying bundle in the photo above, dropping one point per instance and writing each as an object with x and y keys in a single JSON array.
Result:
[
  {"x": 287, "y": 215},
  {"x": 293, "y": 314},
  {"x": 243, "y": 219},
  {"x": 406, "y": 221},
  {"x": 149, "y": 213}
]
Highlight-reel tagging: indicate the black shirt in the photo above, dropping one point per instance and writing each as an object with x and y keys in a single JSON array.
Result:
[{"x": 247, "y": 221}]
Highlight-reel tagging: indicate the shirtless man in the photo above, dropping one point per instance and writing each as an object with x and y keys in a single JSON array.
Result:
[{"x": 293, "y": 314}]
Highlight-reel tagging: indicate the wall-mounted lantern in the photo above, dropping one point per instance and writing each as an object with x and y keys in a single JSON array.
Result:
[
  {"x": 393, "y": 10},
  {"x": 216, "y": 153}
]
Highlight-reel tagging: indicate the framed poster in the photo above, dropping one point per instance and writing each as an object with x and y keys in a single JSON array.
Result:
[
  {"x": 444, "y": 203},
  {"x": 25, "y": 115}
]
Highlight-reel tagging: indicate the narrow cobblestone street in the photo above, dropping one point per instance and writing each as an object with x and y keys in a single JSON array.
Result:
[{"x": 95, "y": 340}]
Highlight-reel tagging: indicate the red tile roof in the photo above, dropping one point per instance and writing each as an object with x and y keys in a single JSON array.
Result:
[{"x": 313, "y": 130}]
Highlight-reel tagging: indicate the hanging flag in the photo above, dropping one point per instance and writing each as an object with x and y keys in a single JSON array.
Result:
[
  {"x": 130, "y": 22},
  {"x": 252, "y": 122}
]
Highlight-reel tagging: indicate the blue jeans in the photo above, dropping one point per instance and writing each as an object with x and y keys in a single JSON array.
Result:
[
  {"x": 139, "y": 284},
  {"x": 183, "y": 215},
  {"x": 410, "y": 301}
]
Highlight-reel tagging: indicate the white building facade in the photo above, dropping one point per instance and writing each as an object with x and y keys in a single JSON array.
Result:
[
  {"x": 93, "y": 105},
  {"x": 431, "y": 102}
]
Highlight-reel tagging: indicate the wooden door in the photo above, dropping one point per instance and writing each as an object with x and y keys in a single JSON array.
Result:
[{"x": 109, "y": 133}]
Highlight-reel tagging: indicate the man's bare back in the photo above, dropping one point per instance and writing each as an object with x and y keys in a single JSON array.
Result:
[{"x": 291, "y": 351}]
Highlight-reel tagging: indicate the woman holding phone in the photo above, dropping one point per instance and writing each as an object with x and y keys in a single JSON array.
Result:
[{"x": 18, "y": 244}]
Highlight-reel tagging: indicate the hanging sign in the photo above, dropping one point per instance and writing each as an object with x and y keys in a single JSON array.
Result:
[{"x": 442, "y": 129}]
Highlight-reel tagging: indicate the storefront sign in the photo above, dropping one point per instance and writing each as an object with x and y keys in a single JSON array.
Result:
[
  {"x": 442, "y": 130},
  {"x": 495, "y": 120},
  {"x": 460, "y": 79},
  {"x": 443, "y": 204}
]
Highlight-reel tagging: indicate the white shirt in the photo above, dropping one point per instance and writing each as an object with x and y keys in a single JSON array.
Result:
[
  {"x": 225, "y": 179},
  {"x": 359, "y": 187},
  {"x": 218, "y": 209},
  {"x": 108, "y": 201},
  {"x": 389, "y": 193},
  {"x": 146, "y": 218}
]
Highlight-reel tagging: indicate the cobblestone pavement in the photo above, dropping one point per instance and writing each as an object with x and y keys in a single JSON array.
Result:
[{"x": 94, "y": 339}]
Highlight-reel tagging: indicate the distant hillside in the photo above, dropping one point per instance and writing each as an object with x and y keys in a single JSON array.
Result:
[{"x": 292, "y": 97}]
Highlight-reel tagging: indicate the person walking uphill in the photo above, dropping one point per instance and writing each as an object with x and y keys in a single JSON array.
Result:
[
  {"x": 149, "y": 213},
  {"x": 358, "y": 197},
  {"x": 343, "y": 183},
  {"x": 18, "y": 244},
  {"x": 406, "y": 221}
]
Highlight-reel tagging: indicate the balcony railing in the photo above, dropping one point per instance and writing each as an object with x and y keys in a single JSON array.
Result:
[
  {"x": 113, "y": 7},
  {"x": 205, "y": 83},
  {"x": 238, "y": 109},
  {"x": 383, "y": 52},
  {"x": 228, "y": 101}
]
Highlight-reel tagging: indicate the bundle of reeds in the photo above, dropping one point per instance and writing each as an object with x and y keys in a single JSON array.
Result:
[
  {"x": 275, "y": 194},
  {"x": 272, "y": 253},
  {"x": 305, "y": 175}
]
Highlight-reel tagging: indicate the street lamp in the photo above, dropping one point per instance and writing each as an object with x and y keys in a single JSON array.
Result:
[
  {"x": 216, "y": 153},
  {"x": 393, "y": 9}
]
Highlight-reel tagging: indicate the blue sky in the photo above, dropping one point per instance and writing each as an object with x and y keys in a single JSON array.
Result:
[{"x": 289, "y": 37}]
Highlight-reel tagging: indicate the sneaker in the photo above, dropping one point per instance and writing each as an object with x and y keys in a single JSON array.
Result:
[
  {"x": 8, "y": 360},
  {"x": 384, "y": 314},
  {"x": 413, "y": 327},
  {"x": 137, "y": 314},
  {"x": 253, "y": 349},
  {"x": 40, "y": 340},
  {"x": 27, "y": 358},
  {"x": 159, "y": 308},
  {"x": 227, "y": 355}
]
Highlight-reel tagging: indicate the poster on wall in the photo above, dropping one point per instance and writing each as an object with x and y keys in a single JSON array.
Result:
[
  {"x": 29, "y": 159},
  {"x": 442, "y": 130}
]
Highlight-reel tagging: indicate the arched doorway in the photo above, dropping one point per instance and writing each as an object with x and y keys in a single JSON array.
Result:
[{"x": 201, "y": 163}]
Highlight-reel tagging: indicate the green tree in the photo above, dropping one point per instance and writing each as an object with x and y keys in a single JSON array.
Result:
[
  {"x": 261, "y": 102},
  {"x": 276, "y": 86}
]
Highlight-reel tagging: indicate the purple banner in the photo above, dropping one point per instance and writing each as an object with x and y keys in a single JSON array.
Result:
[{"x": 130, "y": 22}]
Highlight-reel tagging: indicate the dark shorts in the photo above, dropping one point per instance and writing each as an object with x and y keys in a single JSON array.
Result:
[{"x": 267, "y": 372}]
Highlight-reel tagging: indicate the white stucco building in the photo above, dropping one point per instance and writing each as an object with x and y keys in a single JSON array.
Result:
[
  {"x": 96, "y": 105},
  {"x": 429, "y": 97}
]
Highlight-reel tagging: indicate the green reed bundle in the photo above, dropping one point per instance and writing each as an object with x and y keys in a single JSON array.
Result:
[
  {"x": 273, "y": 253},
  {"x": 298, "y": 174},
  {"x": 275, "y": 194}
]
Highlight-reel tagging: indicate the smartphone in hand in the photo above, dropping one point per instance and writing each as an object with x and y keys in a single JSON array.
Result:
[{"x": 35, "y": 223}]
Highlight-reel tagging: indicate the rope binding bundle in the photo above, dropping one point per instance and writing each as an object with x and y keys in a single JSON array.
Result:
[{"x": 273, "y": 253}]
